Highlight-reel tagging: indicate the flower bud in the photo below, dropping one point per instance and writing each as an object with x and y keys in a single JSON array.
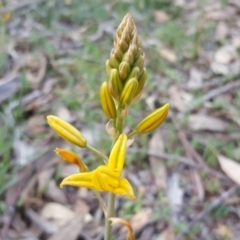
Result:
[
  {"x": 139, "y": 62},
  {"x": 115, "y": 84},
  {"x": 108, "y": 68},
  {"x": 134, "y": 73},
  {"x": 153, "y": 120},
  {"x": 128, "y": 91},
  {"x": 141, "y": 81},
  {"x": 66, "y": 131},
  {"x": 124, "y": 69},
  {"x": 107, "y": 102},
  {"x": 128, "y": 57},
  {"x": 113, "y": 62}
]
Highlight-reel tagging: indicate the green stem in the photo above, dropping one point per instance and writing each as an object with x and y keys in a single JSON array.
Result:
[
  {"x": 111, "y": 196},
  {"x": 102, "y": 203},
  {"x": 131, "y": 134},
  {"x": 94, "y": 150},
  {"x": 110, "y": 213}
]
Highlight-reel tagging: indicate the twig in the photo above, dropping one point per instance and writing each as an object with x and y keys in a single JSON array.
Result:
[
  {"x": 216, "y": 202},
  {"x": 184, "y": 160},
  {"x": 213, "y": 93}
]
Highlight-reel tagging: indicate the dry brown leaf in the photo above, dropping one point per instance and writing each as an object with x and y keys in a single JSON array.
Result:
[
  {"x": 158, "y": 167},
  {"x": 64, "y": 114},
  {"x": 179, "y": 98},
  {"x": 224, "y": 232},
  {"x": 219, "y": 68},
  {"x": 44, "y": 178},
  {"x": 167, "y": 234},
  {"x": 195, "y": 78},
  {"x": 221, "y": 31},
  {"x": 57, "y": 213},
  {"x": 203, "y": 122},
  {"x": 161, "y": 16},
  {"x": 225, "y": 55},
  {"x": 175, "y": 196},
  {"x": 168, "y": 55},
  {"x": 230, "y": 167},
  {"x": 55, "y": 193},
  {"x": 141, "y": 219},
  {"x": 71, "y": 230}
]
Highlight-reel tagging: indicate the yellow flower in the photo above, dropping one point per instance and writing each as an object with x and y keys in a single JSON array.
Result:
[
  {"x": 106, "y": 177},
  {"x": 67, "y": 131}
]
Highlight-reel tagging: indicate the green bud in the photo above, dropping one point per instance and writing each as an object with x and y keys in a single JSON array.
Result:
[
  {"x": 128, "y": 91},
  {"x": 153, "y": 120},
  {"x": 115, "y": 84},
  {"x": 124, "y": 70},
  {"x": 107, "y": 102},
  {"x": 113, "y": 62},
  {"x": 134, "y": 73}
]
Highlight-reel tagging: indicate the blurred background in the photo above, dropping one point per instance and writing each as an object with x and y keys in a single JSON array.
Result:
[{"x": 185, "y": 174}]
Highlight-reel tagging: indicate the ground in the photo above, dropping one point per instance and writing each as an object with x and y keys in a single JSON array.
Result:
[{"x": 185, "y": 174}]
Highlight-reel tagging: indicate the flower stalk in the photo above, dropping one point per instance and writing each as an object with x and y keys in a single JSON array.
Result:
[{"x": 127, "y": 77}]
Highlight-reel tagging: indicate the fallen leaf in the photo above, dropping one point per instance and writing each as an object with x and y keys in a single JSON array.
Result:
[
  {"x": 57, "y": 213},
  {"x": 167, "y": 234},
  {"x": 204, "y": 122},
  {"x": 72, "y": 230},
  {"x": 221, "y": 31},
  {"x": 156, "y": 144},
  {"x": 55, "y": 193},
  {"x": 168, "y": 55},
  {"x": 141, "y": 219},
  {"x": 230, "y": 167},
  {"x": 225, "y": 55},
  {"x": 44, "y": 178},
  {"x": 175, "y": 196},
  {"x": 64, "y": 114},
  {"x": 179, "y": 98},
  {"x": 219, "y": 68},
  {"x": 224, "y": 232},
  {"x": 161, "y": 16},
  {"x": 195, "y": 78}
]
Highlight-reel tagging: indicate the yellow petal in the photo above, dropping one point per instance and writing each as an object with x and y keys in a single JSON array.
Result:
[
  {"x": 117, "y": 155},
  {"x": 124, "y": 189},
  {"x": 153, "y": 120},
  {"x": 79, "y": 180},
  {"x": 105, "y": 179},
  {"x": 72, "y": 157},
  {"x": 67, "y": 131}
]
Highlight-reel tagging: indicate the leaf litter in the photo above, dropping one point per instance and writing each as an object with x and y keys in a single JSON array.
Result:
[{"x": 172, "y": 193}]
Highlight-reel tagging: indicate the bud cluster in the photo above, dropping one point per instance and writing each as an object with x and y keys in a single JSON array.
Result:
[{"x": 125, "y": 66}]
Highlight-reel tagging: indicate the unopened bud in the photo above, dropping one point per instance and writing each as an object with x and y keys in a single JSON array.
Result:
[
  {"x": 115, "y": 84},
  {"x": 134, "y": 73},
  {"x": 67, "y": 131},
  {"x": 108, "y": 67},
  {"x": 107, "y": 102},
  {"x": 139, "y": 62},
  {"x": 113, "y": 62},
  {"x": 124, "y": 70},
  {"x": 128, "y": 91},
  {"x": 153, "y": 120}
]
